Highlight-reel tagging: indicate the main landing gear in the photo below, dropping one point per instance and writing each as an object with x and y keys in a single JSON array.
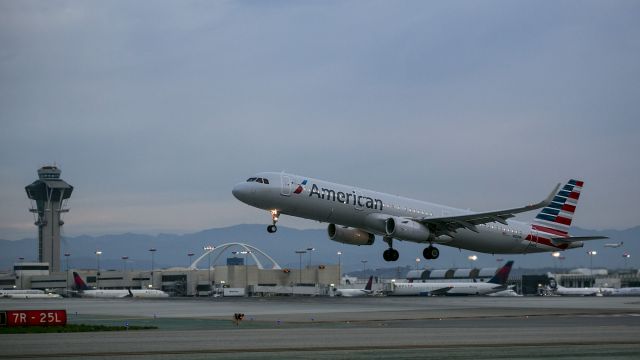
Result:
[
  {"x": 431, "y": 252},
  {"x": 274, "y": 217},
  {"x": 390, "y": 254}
]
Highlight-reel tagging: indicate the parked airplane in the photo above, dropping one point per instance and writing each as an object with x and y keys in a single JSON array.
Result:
[
  {"x": 356, "y": 215},
  {"x": 27, "y": 294},
  {"x": 86, "y": 291},
  {"x": 614, "y": 245},
  {"x": 356, "y": 292},
  {"x": 583, "y": 291},
  {"x": 628, "y": 291},
  {"x": 497, "y": 283}
]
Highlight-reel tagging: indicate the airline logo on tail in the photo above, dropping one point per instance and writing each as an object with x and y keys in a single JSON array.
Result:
[
  {"x": 369, "y": 284},
  {"x": 556, "y": 218},
  {"x": 502, "y": 275},
  {"x": 80, "y": 284}
]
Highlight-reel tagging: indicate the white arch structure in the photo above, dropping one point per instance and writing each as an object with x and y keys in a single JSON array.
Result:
[{"x": 251, "y": 250}]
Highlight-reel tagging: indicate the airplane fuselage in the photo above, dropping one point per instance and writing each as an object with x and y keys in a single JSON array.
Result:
[{"x": 358, "y": 208}]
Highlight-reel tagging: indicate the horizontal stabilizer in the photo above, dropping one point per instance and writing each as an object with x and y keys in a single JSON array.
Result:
[{"x": 571, "y": 239}]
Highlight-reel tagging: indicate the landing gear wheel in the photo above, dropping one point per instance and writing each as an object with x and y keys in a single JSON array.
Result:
[
  {"x": 274, "y": 217},
  {"x": 431, "y": 253},
  {"x": 391, "y": 255}
]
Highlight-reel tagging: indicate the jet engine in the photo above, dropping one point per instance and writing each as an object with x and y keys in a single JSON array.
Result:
[
  {"x": 406, "y": 229},
  {"x": 351, "y": 236}
]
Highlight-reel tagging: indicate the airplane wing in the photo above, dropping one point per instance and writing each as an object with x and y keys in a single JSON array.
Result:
[
  {"x": 441, "y": 291},
  {"x": 447, "y": 225}
]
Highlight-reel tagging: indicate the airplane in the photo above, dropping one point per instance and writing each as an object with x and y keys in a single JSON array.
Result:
[
  {"x": 628, "y": 291},
  {"x": 356, "y": 216},
  {"x": 497, "y": 283},
  {"x": 356, "y": 292},
  {"x": 583, "y": 291},
  {"x": 86, "y": 291},
  {"x": 27, "y": 294},
  {"x": 614, "y": 245}
]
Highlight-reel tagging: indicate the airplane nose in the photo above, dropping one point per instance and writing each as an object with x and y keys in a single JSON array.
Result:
[{"x": 240, "y": 191}]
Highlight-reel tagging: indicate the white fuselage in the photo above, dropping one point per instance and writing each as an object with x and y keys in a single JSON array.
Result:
[
  {"x": 352, "y": 292},
  {"x": 456, "y": 288},
  {"x": 585, "y": 291},
  {"x": 115, "y": 294},
  {"x": 364, "y": 209}
]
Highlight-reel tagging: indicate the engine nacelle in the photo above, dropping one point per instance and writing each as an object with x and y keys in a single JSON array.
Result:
[
  {"x": 405, "y": 229},
  {"x": 351, "y": 236}
]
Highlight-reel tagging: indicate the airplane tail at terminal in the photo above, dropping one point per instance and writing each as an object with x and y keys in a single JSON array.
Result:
[
  {"x": 502, "y": 275},
  {"x": 369, "y": 284},
  {"x": 80, "y": 284},
  {"x": 556, "y": 217}
]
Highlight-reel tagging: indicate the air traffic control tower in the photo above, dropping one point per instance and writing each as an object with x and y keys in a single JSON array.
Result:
[{"x": 49, "y": 194}]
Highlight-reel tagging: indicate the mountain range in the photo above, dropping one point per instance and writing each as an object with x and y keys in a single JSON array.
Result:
[{"x": 173, "y": 250}]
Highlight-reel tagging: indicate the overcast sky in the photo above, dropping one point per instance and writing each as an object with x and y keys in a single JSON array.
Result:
[{"x": 154, "y": 110}]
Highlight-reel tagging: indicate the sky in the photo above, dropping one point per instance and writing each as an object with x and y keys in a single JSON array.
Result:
[{"x": 154, "y": 110}]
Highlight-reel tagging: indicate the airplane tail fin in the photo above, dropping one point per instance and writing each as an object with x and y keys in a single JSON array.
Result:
[
  {"x": 80, "y": 284},
  {"x": 556, "y": 217},
  {"x": 502, "y": 275},
  {"x": 369, "y": 284}
]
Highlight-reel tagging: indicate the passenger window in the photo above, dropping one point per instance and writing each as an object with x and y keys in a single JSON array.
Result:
[
  {"x": 266, "y": 181},
  {"x": 251, "y": 179},
  {"x": 259, "y": 180}
]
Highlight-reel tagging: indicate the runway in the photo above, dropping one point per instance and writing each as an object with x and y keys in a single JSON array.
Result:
[{"x": 373, "y": 327}]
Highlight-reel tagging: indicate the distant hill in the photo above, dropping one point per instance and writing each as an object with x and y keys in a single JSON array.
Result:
[{"x": 172, "y": 250}]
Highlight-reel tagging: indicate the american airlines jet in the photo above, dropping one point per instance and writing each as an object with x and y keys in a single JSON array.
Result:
[{"x": 356, "y": 215}]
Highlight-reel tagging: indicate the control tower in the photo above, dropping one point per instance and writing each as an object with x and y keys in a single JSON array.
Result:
[{"x": 49, "y": 194}]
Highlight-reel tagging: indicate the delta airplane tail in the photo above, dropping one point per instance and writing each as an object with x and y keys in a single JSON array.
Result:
[
  {"x": 502, "y": 275},
  {"x": 80, "y": 284},
  {"x": 369, "y": 284}
]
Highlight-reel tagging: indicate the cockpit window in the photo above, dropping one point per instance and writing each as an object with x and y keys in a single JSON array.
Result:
[
  {"x": 251, "y": 179},
  {"x": 259, "y": 180},
  {"x": 266, "y": 181}
]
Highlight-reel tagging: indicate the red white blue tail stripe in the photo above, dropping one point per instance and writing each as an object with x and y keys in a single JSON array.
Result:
[{"x": 555, "y": 219}]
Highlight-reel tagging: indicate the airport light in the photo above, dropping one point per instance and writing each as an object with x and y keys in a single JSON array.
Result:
[
  {"x": 472, "y": 258},
  {"x": 152, "y": 251},
  {"x": 98, "y": 253},
  {"x": 310, "y": 250},
  {"x": 555, "y": 255},
  {"x": 364, "y": 267},
  {"x": 300, "y": 252},
  {"x": 66, "y": 278},
  {"x": 626, "y": 257},
  {"x": 190, "y": 255},
  {"x": 339, "y": 263},
  {"x": 246, "y": 268},
  {"x": 591, "y": 253},
  {"x": 209, "y": 249},
  {"x": 417, "y": 263},
  {"x": 21, "y": 270}
]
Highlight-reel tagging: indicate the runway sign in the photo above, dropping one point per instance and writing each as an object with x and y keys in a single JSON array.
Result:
[{"x": 33, "y": 318}]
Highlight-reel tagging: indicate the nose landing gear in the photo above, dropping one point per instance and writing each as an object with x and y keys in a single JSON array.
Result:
[{"x": 274, "y": 217}]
